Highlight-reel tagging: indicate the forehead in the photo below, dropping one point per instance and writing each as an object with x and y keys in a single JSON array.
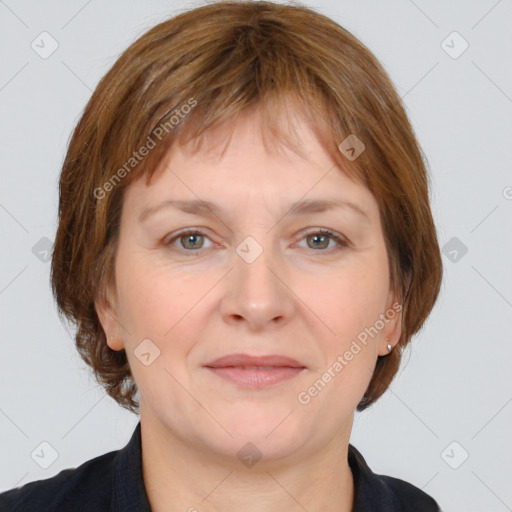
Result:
[{"x": 235, "y": 164}]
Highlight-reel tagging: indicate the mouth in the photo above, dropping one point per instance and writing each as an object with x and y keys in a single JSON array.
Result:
[{"x": 255, "y": 372}]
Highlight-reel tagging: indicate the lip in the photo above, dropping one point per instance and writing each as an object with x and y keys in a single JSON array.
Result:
[
  {"x": 255, "y": 372},
  {"x": 248, "y": 360}
]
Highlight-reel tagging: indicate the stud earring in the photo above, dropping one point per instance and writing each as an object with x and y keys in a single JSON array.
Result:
[{"x": 389, "y": 346}]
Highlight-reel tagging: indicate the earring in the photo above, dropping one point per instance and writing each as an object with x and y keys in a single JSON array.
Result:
[{"x": 389, "y": 346}]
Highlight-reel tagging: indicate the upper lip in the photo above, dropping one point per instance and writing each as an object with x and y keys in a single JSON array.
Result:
[{"x": 247, "y": 360}]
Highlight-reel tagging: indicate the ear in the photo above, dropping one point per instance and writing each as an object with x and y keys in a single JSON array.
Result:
[
  {"x": 392, "y": 330},
  {"x": 106, "y": 311}
]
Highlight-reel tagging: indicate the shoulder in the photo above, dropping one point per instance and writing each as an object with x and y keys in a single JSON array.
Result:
[
  {"x": 88, "y": 485},
  {"x": 409, "y": 497},
  {"x": 383, "y": 493}
]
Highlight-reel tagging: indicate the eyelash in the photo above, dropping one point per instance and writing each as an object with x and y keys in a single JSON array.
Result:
[{"x": 342, "y": 243}]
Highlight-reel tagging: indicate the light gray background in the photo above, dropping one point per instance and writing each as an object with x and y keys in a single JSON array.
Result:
[{"x": 456, "y": 383}]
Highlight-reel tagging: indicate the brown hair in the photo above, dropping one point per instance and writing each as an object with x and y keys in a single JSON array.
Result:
[{"x": 221, "y": 59}]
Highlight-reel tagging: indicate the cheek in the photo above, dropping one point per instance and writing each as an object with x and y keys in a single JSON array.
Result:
[
  {"x": 353, "y": 299},
  {"x": 145, "y": 302},
  {"x": 154, "y": 306},
  {"x": 162, "y": 304},
  {"x": 351, "y": 309},
  {"x": 152, "y": 296}
]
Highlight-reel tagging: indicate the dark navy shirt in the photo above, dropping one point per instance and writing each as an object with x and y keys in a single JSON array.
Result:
[{"x": 113, "y": 482}]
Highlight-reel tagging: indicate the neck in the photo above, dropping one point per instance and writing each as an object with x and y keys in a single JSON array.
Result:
[{"x": 180, "y": 476}]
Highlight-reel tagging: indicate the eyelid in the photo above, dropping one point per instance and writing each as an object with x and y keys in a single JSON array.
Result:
[
  {"x": 187, "y": 231},
  {"x": 341, "y": 239}
]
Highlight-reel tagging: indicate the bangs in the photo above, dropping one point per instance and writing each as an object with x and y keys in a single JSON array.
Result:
[{"x": 276, "y": 116}]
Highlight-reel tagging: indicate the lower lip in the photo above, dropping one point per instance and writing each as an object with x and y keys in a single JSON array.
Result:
[{"x": 255, "y": 378}]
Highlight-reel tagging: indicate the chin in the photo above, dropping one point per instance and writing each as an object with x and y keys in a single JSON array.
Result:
[
  {"x": 254, "y": 448},
  {"x": 271, "y": 433}
]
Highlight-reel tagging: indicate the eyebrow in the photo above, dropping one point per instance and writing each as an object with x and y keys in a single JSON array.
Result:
[{"x": 209, "y": 209}]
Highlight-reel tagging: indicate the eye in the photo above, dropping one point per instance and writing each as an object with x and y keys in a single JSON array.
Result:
[
  {"x": 192, "y": 241},
  {"x": 320, "y": 240}
]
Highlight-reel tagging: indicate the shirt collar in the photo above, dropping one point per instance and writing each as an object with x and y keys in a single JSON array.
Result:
[
  {"x": 129, "y": 493},
  {"x": 370, "y": 491}
]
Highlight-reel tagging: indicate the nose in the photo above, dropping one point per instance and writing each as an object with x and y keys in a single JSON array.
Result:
[{"x": 256, "y": 291}]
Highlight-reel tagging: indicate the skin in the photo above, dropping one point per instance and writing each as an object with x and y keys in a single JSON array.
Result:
[{"x": 300, "y": 298}]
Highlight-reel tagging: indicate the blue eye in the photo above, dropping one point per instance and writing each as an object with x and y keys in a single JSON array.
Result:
[
  {"x": 192, "y": 241},
  {"x": 326, "y": 234},
  {"x": 191, "y": 238}
]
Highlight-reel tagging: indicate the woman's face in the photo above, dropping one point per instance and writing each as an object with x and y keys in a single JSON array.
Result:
[{"x": 256, "y": 278}]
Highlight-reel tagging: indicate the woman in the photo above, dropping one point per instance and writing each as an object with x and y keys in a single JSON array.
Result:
[{"x": 246, "y": 246}]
